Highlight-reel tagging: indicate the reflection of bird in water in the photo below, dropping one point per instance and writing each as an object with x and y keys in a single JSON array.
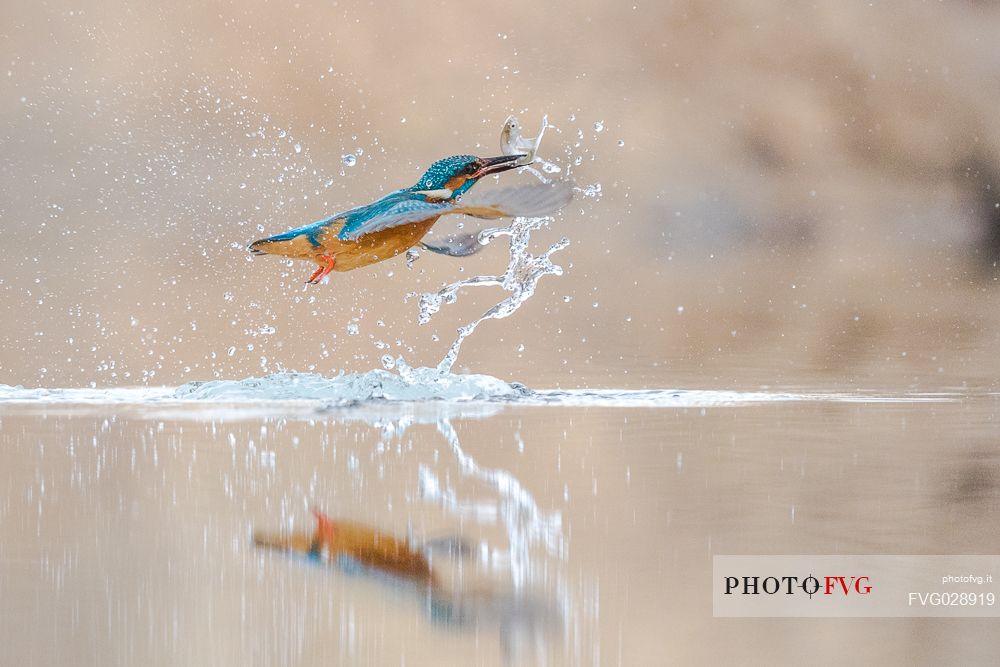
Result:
[
  {"x": 520, "y": 618},
  {"x": 398, "y": 221},
  {"x": 367, "y": 547}
]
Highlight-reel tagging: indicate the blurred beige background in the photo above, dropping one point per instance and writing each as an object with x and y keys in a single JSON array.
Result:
[{"x": 790, "y": 193}]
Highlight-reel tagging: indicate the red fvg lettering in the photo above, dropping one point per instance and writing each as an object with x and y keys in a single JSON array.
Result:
[{"x": 858, "y": 584}]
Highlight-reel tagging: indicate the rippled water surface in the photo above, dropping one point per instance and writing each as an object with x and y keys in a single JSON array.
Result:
[{"x": 126, "y": 519}]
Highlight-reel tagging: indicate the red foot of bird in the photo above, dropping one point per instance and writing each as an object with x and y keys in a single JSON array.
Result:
[{"x": 322, "y": 271}]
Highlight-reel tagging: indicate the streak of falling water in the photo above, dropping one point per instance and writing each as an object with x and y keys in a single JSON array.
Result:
[
  {"x": 525, "y": 626},
  {"x": 520, "y": 279},
  {"x": 525, "y": 523}
]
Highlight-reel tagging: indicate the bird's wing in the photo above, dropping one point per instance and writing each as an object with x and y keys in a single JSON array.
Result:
[
  {"x": 457, "y": 245},
  {"x": 399, "y": 213},
  {"x": 522, "y": 201},
  {"x": 530, "y": 201}
]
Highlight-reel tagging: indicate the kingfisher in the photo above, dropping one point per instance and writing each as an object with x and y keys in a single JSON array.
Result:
[{"x": 398, "y": 221}]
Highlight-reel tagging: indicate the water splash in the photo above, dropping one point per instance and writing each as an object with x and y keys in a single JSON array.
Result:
[
  {"x": 524, "y": 270},
  {"x": 408, "y": 384},
  {"x": 428, "y": 388}
]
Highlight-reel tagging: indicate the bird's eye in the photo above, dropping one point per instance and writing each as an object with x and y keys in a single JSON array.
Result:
[{"x": 471, "y": 168}]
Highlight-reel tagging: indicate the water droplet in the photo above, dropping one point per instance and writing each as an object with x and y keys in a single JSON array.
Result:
[
  {"x": 621, "y": 142},
  {"x": 388, "y": 361},
  {"x": 243, "y": 186},
  {"x": 231, "y": 351},
  {"x": 298, "y": 148},
  {"x": 520, "y": 348},
  {"x": 349, "y": 159},
  {"x": 353, "y": 329},
  {"x": 599, "y": 126}
]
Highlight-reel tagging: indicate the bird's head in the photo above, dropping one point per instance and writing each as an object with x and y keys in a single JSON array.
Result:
[{"x": 458, "y": 173}]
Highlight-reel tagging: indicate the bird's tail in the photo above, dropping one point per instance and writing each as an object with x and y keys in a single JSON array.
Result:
[{"x": 523, "y": 201}]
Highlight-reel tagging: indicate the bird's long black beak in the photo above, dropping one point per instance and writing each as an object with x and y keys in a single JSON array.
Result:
[{"x": 494, "y": 165}]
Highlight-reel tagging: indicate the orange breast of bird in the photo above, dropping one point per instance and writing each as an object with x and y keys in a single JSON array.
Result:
[
  {"x": 370, "y": 248},
  {"x": 348, "y": 255}
]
